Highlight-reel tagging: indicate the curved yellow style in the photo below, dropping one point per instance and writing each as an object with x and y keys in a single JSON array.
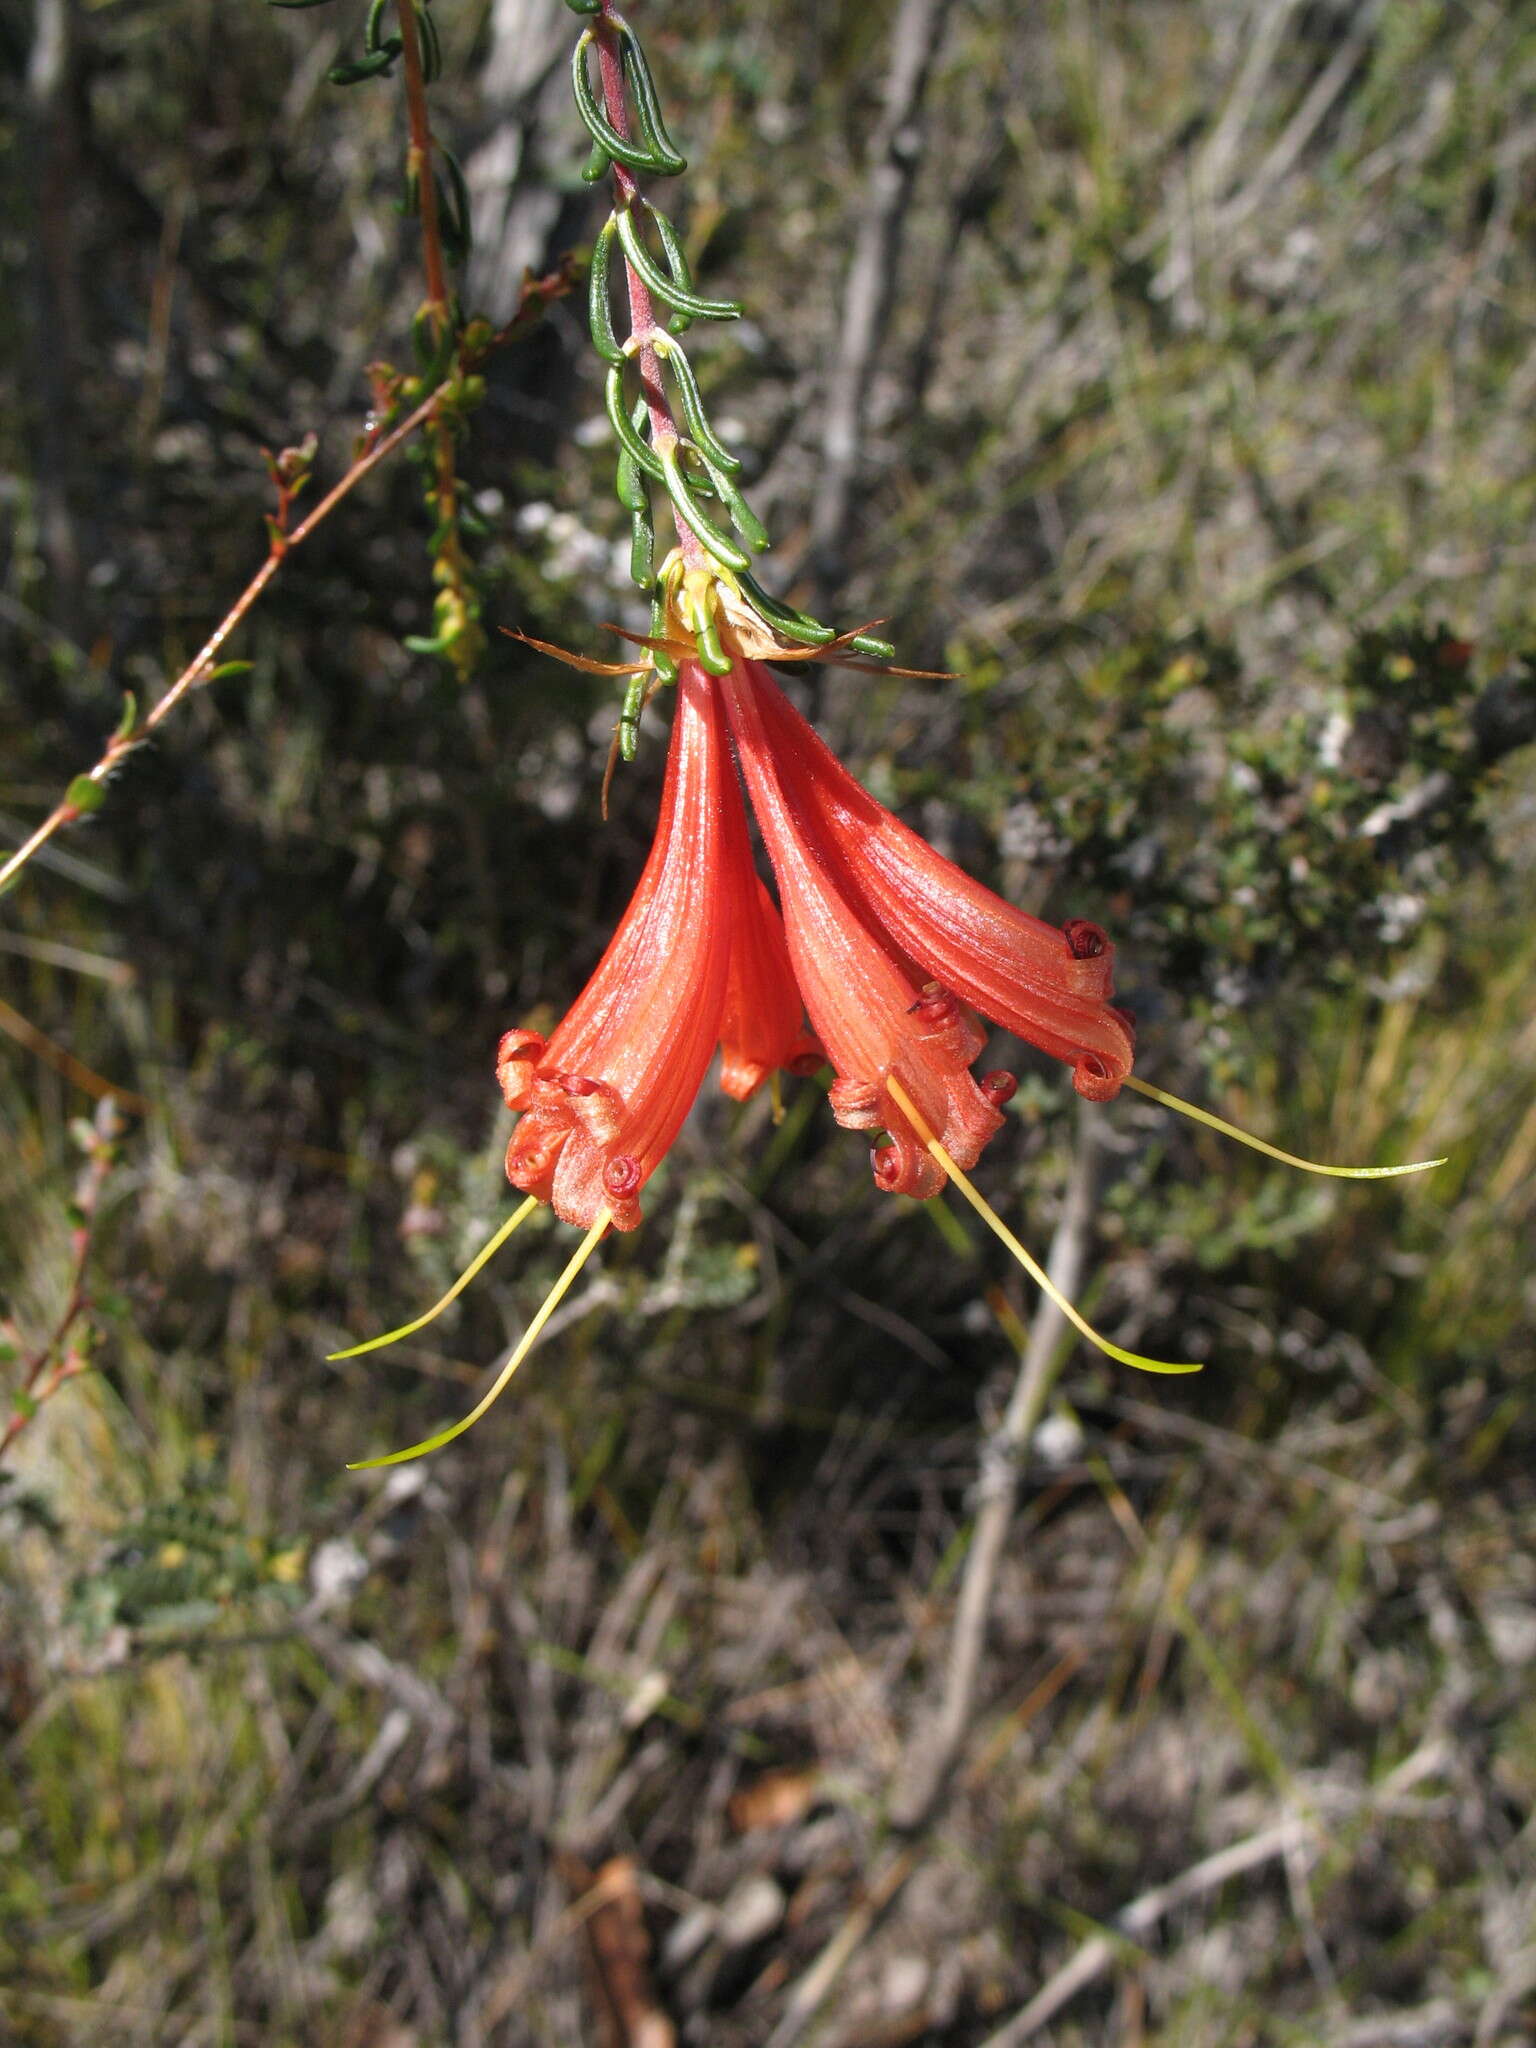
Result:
[
  {"x": 1032, "y": 1266},
  {"x": 529, "y": 1338},
  {"x": 1216, "y": 1123},
  {"x": 486, "y": 1251}
]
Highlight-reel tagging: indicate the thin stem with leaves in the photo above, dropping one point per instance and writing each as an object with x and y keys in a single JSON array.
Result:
[
  {"x": 653, "y": 398},
  {"x": 86, "y": 792}
]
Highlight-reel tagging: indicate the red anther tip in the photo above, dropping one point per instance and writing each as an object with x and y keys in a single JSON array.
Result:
[
  {"x": 805, "y": 1064},
  {"x": 1085, "y": 941},
  {"x": 621, "y": 1177},
  {"x": 885, "y": 1165},
  {"x": 999, "y": 1087},
  {"x": 936, "y": 1006},
  {"x": 577, "y": 1084}
]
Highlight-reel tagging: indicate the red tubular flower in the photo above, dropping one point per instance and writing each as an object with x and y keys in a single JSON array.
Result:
[
  {"x": 763, "y": 1023},
  {"x": 1049, "y": 985},
  {"x": 606, "y": 1095},
  {"x": 884, "y": 940},
  {"x": 873, "y": 1017}
]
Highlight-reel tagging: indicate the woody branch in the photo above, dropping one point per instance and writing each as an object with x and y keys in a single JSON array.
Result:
[{"x": 83, "y": 795}]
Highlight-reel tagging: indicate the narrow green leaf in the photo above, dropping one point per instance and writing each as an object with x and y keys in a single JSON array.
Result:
[
  {"x": 629, "y": 483},
  {"x": 431, "y": 48},
  {"x": 600, "y": 300},
  {"x": 672, "y": 248},
  {"x": 629, "y": 720},
  {"x": 712, "y": 655},
  {"x": 714, "y": 451},
  {"x": 663, "y": 666},
  {"x": 596, "y": 122},
  {"x": 718, "y": 544},
  {"x": 366, "y": 67},
  {"x": 458, "y": 229},
  {"x": 85, "y": 796},
  {"x": 743, "y": 518},
  {"x": 629, "y": 440},
  {"x": 666, "y": 158},
  {"x": 784, "y": 618},
  {"x": 664, "y": 287},
  {"x": 642, "y": 546}
]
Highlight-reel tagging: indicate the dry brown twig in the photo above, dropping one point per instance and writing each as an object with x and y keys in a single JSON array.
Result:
[
  {"x": 84, "y": 793},
  {"x": 934, "y": 1750},
  {"x": 1096, "y": 1955},
  {"x": 893, "y": 164},
  {"x": 926, "y": 1772},
  {"x": 1295, "y": 1837}
]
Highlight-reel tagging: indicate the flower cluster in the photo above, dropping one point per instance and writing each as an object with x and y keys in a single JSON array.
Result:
[
  {"x": 890, "y": 951},
  {"x": 893, "y": 953},
  {"x": 888, "y": 947}
]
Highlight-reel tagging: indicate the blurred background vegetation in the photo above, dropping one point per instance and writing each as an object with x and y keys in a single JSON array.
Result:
[{"x": 1192, "y": 430}]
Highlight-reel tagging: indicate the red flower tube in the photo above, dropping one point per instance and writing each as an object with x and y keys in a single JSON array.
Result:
[
  {"x": 606, "y": 1095},
  {"x": 1049, "y": 985},
  {"x": 763, "y": 1024},
  {"x": 873, "y": 1018}
]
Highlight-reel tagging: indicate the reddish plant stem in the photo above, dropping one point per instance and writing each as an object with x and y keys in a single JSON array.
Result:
[
  {"x": 419, "y": 162},
  {"x": 642, "y": 310},
  {"x": 537, "y": 293},
  {"x": 55, "y": 1361},
  {"x": 196, "y": 671}
]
